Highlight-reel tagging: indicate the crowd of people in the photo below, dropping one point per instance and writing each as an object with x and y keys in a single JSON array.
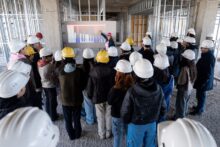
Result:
[{"x": 128, "y": 94}]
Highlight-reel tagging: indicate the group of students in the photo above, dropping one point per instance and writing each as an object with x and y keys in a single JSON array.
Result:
[{"x": 128, "y": 93}]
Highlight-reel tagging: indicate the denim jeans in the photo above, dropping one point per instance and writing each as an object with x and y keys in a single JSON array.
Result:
[
  {"x": 72, "y": 113},
  {"x": 182, "y": 100},
  {"x": 118, "y": 131},
  {"x": 141, "y": 135},
  {"x": 201, "y": 97},
  {"x": 89, "y": 109},
  {"x": 51, "y": 102}
]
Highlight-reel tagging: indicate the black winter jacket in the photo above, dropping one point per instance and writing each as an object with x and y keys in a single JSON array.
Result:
[
  {"x": 115, "y": 99},
  {"x": 37, "y": 77},
  {"x": 147, "y": 54},
  {"x": 101, "y": 79},
  {"x": 205, "y": 72},
  {"x": 143, "y": 103},
  {"x": 113, "y": 61},
  {"x": 10, "y": 104}
]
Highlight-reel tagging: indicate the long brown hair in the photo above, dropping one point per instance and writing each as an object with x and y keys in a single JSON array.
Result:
[{"x": 123, "y": 81}]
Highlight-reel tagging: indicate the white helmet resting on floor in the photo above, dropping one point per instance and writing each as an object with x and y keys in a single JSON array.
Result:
[
  {"x": 112, "y": 51},
  {"x": 11, "y": 83},
  {"x": 143, "y": 69},
  {"x": 207, "y": 44},
  {"x": 125, "y": 46},
  {"x": 184, "y": 133},
  {"x": 28, "y": 127},
  {"x": 161, "y": 49},
  {"x": 135, "y": 56},
  {"x": 123, "y": 66},
  {"x": 16, "y": 45},
  {"x": 21, "y": 67},
  {"x": 58, "y": 55},
  {"x": 88, "y": 53},
  {"x": 165, "y": 41},
  {"x": 161, "y": 61}
]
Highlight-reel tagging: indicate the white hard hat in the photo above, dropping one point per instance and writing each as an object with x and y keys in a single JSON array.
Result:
[
  {"x": 174, "y": 44},
  {"x": 143, "y": 69},
  {"x": 149, "y": 33},
  {"x": 16, "y": 45},
  {"x": 207, "y": 44},
  {"x": 32, "y": 40},
  {"x": 21, "y": 67},
  {"x": 192, "y": 31},
  {"x": 165, "y": 41},
  {"x": 45, "y": 52},
  {"x": 28, "y": 127},
  {"x": 125, "y": 46},
  {"x": 161, "y": 49},
  {"x": 189, "y": 54},
  {"x": 135, "y": 56},
  {"x": 123, "y": 66},
  {"x": 161, "y": 61},
  {"x": 184, "y": 133},
  {"x": 112, "y": 51},
  {"x": 88, "y": 53},
  {"x": 189, "y": 39},
  {"x": 11, "y": 82},
  {"x": 58, "y": 55},
  {"x": 179, "y": 40},
  {"x": 147, "y": 41},
  {"x": 174, "y": 34}
]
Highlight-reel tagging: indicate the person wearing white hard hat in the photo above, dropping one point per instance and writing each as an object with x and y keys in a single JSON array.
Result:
[
  {"x": 58, "y": 61},
  {"x": 184, "y": 133},
  {"x": 113, "y": 56},
  {"x": 12, "y": 89},
  {"x": 146, "y": 50},
  {"x": 46, "y": 70},
  {"x": 149, "y": 35},
  {"x": 123, "y": 81},
  {"x": 135, "y": 56},
  {"x": 163, "y": 77},
  {"x": 125, "y": 51},
  {"x": 185, "y": 82},
  {"x": 88, "y": 64},
  {"x": 205, "y": 75},
  {"x": 142, "y": 106},
  {"x": 191, "y": 33},
  {"x": 26, "y": 69},
  {"x": 34, "y": 42},
  {"x": 190, "y": 43},
  {"x": 28, "y": 127}
]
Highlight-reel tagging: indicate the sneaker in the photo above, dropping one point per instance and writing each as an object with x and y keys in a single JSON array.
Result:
[
  {"x": 108, "y": 134},
  {"x": 195, "y": 113}
]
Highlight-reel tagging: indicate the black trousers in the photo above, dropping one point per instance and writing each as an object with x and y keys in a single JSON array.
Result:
[
  {"x": 72, "y": 114},
  {"x": 37, "y": 100},
  {"x": 51, "y": 102}
]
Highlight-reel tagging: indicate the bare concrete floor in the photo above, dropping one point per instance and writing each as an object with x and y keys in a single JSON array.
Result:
[{"x": 210, "y": 119}]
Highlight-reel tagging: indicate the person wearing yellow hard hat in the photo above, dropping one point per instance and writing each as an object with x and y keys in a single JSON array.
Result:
[
  {"x": 130, "y": 41},
  {"x": 100, "y": 82},
  {"x": 72, "y": 84}
]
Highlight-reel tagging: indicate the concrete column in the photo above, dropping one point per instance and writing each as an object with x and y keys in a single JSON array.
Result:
[
  {"x": 51, "y": 24},
  {"x": 205, "y": 22}
]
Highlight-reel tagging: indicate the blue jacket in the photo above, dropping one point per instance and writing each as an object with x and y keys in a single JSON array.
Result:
[{"x": 205, "y": 72}]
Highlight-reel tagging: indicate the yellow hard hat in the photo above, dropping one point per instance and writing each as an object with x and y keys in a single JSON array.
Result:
[
  {"x": 28, "y": 51},
  {"x": 102, "y": 56},
  {"x": 130, "y": 41},
  {"x": 68, "y": 52}
]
